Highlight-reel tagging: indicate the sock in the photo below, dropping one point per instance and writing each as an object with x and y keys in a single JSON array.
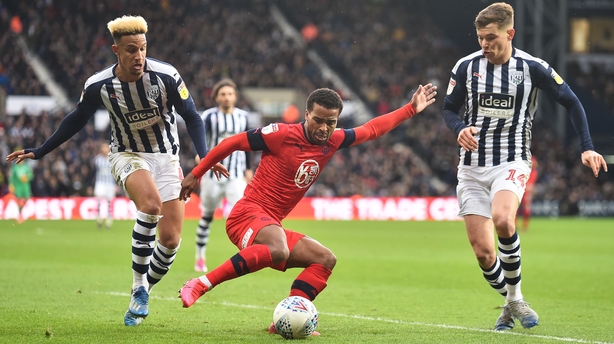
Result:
[
  {"x": 161, "y": 261},
  {"x": 143, "y": 238},
  {"x": 202, "y": 235},
  {"x": 311, "y": 281},
  {"x": 509, "y": 253},
  {"x": 495, "y": 277},
  {"x": 248, "y": 260}
]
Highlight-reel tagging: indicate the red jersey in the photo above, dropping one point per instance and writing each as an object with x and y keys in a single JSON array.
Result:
[{"x": 290, "y": 163}]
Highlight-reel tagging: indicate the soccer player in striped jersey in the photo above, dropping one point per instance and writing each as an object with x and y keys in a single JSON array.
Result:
[
  {"x": 498, "y": 87},
  {"x": 221, "y": 122},
  {"x": 141, "y": 96},
  {"x": 292, "y": 158},
  {"x": 104, "y": 186}
]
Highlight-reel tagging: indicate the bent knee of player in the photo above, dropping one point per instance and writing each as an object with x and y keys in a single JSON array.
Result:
[
  {"x": 279, "y": 253},
  {"x": 505, "y": 223},
  {"x": 150, "y": 206},
  {"x": 327, "y": 258}
]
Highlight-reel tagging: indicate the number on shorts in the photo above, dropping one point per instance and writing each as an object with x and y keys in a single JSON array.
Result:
[{"x": 521, "y": 178}]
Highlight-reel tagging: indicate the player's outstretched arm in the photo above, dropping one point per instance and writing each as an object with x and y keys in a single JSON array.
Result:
[
  {"x": 423, "y": 97},
  {"x": 378, "y": 126},
  {"x": 595, "y": 161}
]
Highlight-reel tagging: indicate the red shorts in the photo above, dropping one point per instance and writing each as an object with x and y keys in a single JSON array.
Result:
[{"x": 246, "y": 220}]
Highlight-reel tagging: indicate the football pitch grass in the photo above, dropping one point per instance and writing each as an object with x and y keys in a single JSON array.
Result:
[{"x": 395, "y": 282}]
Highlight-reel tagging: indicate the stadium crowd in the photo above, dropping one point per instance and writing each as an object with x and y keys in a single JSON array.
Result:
[{"x": 385, "y": 53}]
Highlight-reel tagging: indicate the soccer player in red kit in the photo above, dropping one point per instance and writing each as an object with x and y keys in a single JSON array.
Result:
[
  {"x": 527, "y": 199},
  {"x": 292, "y": 158}
]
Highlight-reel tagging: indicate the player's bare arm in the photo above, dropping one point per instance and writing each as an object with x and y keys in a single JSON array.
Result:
[
  {"x": 19, "y": 156},
  {"x": 467, "y": 140},
  {"x": 423, "y": 97},
  {"x": 595, "y": 161}
]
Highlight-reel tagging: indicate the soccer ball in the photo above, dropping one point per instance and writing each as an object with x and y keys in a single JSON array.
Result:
[{"x": 295, "y": 317}]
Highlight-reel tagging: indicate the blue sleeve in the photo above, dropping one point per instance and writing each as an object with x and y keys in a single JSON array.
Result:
[
  {"x": 453, "y": 102},
  {"x": 248, "y": 160},
  {"x": 71, "y": 124},
  {"x": 548, "y": 80},
  {"x": 256, "y": 141},
  {"x": 350, "y": 137},
  {"x": 184, "y": 105}
]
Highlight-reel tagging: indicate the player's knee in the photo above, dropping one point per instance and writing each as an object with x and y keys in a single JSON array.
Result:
[
  {"x": 279, "y": 253},
  {"x": 328, "y": 259},
  {"x": 504, "y": 225},
  {"x": 151, "y": 207}
]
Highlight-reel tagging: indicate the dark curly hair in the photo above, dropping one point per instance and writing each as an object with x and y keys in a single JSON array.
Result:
[{"x": 325, "y": 97}]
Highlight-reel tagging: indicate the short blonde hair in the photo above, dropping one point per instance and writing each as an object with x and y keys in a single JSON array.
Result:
[
  {"x": 127, "y": 25},
  {"x": 500, "y": 13}
]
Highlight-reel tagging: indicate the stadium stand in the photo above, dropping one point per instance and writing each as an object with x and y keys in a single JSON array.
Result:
[{"x": 382, "y": 51}]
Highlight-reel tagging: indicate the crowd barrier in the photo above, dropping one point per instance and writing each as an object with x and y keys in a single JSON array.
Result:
[
  {"x": 354, "y": 208},
  {"x": 309, "y": 208}
]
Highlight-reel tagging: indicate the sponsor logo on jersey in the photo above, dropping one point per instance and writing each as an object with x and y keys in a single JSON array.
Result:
[
  {"x": 183, "y": 91},
  {"x": 246, "y": 237},
  {"x": 557, "y": 78},
  {"x": 306, "y": 173},
  {"x": 496, "y": 105},
  {"x": 153, "y": 92},
  {"x": 144, "y": 118},
  {"x": 269, "y": 129},
  {"x": 516, "y": 77}
]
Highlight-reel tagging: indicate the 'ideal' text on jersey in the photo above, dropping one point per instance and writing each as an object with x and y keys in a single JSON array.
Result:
[
  {"x": 289, "y": 165},
  {"x": 141, "y": 112},
  {"x": 500, "y": 102}
]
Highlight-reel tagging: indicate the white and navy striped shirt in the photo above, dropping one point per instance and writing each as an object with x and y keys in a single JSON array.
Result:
[
  {"x": 219, "y": 126},
  {"x": 103, "y": 170},
  {"x": 142, "y": 113},
  {"x": 500, "y": 102}
]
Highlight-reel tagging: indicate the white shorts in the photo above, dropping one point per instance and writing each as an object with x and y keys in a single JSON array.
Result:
[
  {"x": 163, "y": 167},
  {"x": 212, "y": 191},
  {"x": 478, "y": 185},
  {"x": 104, "y": 190}
]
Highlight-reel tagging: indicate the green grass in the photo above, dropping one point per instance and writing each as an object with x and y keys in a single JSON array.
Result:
[{"x": 395, "y": 282}]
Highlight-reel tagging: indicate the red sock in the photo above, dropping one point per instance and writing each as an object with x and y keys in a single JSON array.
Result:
[
  {"x": 311, "y": 281},
  {"x": 526, "y": 216},
  {"x": 249, "y": 260}
]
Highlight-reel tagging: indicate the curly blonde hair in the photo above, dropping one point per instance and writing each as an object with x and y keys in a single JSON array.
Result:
[{"x": 127, "y": 25}]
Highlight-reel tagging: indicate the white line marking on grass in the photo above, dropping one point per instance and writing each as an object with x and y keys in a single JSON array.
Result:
[{"x": 393, "y": 321}]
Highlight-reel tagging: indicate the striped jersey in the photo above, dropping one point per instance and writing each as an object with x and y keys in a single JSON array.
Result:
[
  {"x": 142, "y": 113},
  {"x": 500, "y": 102},
  {"x": 219, "y": 126},
  {"x": 103, "y": 170}
]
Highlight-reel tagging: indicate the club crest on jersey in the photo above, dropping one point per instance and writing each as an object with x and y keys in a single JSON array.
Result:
[
  {"x": 516, "y": 77},
  {"x": 153, "y": 92},
  {"x": 326, "y": 149},
  {"x": 306, "y": 173}
]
